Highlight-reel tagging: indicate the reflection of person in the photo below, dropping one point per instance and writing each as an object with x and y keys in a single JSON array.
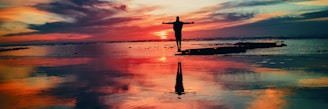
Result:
[
  {"x": 177, "y": 26},
  {"x": 179, "y": 84}
]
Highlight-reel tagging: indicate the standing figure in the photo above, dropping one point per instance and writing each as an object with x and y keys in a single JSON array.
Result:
[{"x": 177, "y": 26}]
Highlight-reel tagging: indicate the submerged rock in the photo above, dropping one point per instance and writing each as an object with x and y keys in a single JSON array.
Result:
[{"x": 239, "y": 47}]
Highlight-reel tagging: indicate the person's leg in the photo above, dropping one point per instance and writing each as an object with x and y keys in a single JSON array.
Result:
[
  {"x": 179, "y": 40},
  {"x": 180, "y": 43}
]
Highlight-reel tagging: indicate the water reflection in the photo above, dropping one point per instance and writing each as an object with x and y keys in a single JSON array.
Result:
[
  {"x": 101, "y": 76},
  {"x": 23, "y": 82},
  {"x": 179, "y": 81},
  {"x": 269, "y": 99}
]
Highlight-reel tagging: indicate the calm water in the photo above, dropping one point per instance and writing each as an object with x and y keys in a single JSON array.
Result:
[{"x": 148, "y": 75}]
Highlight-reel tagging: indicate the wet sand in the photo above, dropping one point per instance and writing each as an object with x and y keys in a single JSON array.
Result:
[{"x": 147, "y": 75}]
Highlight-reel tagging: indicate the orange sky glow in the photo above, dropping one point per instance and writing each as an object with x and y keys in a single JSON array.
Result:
[{"x": 107, "y": 20}]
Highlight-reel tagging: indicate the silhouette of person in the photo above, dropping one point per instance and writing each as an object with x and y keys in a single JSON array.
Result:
[
  {"x": 177, "y": 26},
  {"x": 179, "y": 84}
]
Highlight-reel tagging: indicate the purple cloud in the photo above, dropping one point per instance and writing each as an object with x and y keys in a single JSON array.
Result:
[{"x": 90, "y": 16}]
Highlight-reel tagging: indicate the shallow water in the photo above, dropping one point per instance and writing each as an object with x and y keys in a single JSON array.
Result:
[{"x": 144, "y": 75}]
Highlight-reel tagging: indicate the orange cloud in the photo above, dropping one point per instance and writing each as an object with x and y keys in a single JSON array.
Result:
[
  {"x": 314, "y": 2},
  {"x": 259, "y": 17},
  {"x": 208, "y": 24},
  {"x": 23, "y": 3},
  {"x": 17, "y": 19},
  {"x": 28, "y": 15},
  {"x": 12, "y": 27}
]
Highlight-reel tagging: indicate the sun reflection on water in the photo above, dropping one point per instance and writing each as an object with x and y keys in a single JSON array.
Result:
[{"x": 163, "y": 59}]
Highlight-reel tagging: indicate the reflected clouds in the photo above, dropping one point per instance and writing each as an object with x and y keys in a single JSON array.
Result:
[
  {"x": 118, "y": 75},
  {"x": 314, "y": 82},
  {"x": 269, "y": 99},
  {"x": 23, "y": 80}
]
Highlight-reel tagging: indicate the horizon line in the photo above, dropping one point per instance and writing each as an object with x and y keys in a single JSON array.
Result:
[{"x": 161, "y": 40}]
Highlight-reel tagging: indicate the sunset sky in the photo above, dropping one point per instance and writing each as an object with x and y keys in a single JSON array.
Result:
[{"x": 113, "y": 20}]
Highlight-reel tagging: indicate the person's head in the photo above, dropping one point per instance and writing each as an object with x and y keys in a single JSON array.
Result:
[{"x": 177, "y": 18}]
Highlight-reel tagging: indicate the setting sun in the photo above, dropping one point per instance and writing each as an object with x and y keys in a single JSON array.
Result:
[{"x": 161, "y": 34}]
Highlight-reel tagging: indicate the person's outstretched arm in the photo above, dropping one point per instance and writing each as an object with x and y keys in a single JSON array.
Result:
[
  {"x": 167, "y": 22},
  {"x": 188, "y": 22}
]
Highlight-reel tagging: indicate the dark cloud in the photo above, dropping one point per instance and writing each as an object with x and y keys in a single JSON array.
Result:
[
  {"x": 231, "y": 17},
  {"x": 234, "y": 4},
  {"x": 318, "y": 14},
  {"x": 305, "y": 25},
  {"x": 83, "y": 9},
  {"x": 89, "y": 16},
  {"x": 281, "y": 26},
  {"x": 238, "y": 16},
  {"x": 83, "y": 26}
]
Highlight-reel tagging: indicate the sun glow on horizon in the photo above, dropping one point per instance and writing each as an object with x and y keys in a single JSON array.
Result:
[{"x": 161, "y": 34}]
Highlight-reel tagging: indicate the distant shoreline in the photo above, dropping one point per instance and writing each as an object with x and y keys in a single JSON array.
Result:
[
  {"x": 12, "y": 49},
  {"x": 202, "y": 39}
]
